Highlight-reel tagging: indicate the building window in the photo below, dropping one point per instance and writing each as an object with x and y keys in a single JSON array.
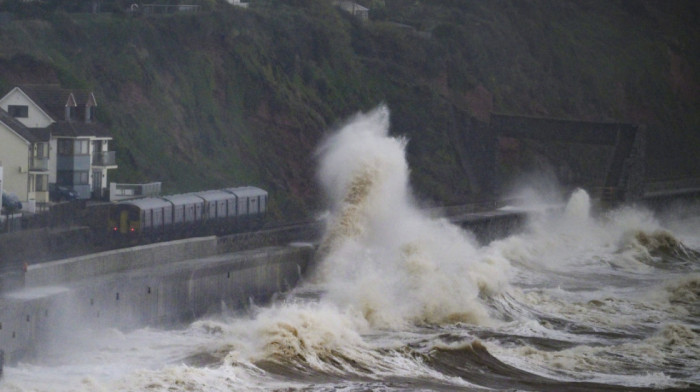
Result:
[
  {"x": 41, "y": 183},
  {"x": 80, "y": 178},
  {"x": 82, "y": 147},
  {"x": 72, "y": 113},
  {"x": 65, "y": 146},
  {"x": 18, "y": 111},
  {"x": 64, "y": 177},
  {"x": 89, "y": 113},
  {"x": 73, "y": 147},
  {"x": 68, "y": 177},
  {"x": 41, "y": 150}
]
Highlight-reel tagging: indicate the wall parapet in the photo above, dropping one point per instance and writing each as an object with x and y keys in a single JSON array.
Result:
[{"x": 90, "y": 266}]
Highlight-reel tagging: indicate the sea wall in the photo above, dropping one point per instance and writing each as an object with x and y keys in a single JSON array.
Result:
[
  {"x": 88, "y": 266},
  {"x": 491, "y": 225},
  {"x": 159, "y": 284}
]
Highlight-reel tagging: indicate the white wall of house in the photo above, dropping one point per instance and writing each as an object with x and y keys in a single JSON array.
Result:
[
  {"x": 98, "y": 174},
  {"x": 93, "y": 151},
  {"x": 53, "y": 151},
  {"x": 238, "y": 3},
  {"x": 14, "y": 153},
  {"x": 36, "y": 118}
]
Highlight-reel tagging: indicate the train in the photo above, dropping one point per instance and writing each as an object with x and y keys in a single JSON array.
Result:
[{"x": 219, "y": 211}]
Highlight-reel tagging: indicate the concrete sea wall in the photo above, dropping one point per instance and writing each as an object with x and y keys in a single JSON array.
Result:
[
  {"x": 89, "y": 266},
  {"x": 158, "y": 284}
]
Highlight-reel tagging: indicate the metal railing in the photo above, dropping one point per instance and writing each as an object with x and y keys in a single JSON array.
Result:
[
  {"x": 164, "y": 9},
  {"x": 132, "y": 191},
  {"x": 39, "y": 164},
  {"x": 107, "y": 158}
]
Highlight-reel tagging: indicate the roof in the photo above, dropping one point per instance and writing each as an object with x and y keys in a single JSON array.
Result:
[
  {"x": 53, "y": 99},
  {"x": 148, "y": 203},
  {"x": 247, "y": 191},
  {"x": 351, "y": 6},
  {"x": 185, "y": 198},
  {"x": 215, "y": 195},
  {"x": 29, "y": 134},
  {"x": 77, "y": 129},
  {"x": 84, "y": 97}
]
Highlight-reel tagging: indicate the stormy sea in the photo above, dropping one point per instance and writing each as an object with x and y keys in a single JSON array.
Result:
[{"x": 579, "y": 300}]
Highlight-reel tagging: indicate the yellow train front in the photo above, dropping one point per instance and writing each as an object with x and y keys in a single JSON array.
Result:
[
  {"x": 125, "y": 219},
  {"x": 183, "y": 215}
]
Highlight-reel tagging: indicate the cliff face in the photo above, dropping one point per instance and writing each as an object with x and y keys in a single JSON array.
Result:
[{"x": 236, "y": 96}]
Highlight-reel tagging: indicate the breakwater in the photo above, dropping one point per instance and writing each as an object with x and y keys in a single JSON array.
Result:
[{"x": 157, "y": 284}]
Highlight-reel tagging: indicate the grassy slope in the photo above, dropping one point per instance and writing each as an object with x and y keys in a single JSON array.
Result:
[{"x": 235, "y": 96}]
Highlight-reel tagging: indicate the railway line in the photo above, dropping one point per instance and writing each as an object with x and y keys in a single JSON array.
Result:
[{"x": 44, "y": 244}]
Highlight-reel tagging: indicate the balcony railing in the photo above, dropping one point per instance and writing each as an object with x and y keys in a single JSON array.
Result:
[
  {"x": 104, "y": 159},
  {"x": 39, "y": 164},
  {"x": 73, "y": 162},
  {"x": 133, "y": 191}
]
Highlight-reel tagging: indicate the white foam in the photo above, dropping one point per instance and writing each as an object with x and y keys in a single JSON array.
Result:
[{"x": 382, "y": 256}]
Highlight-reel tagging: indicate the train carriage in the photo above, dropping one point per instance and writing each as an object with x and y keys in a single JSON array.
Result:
[
  {"x": 181, "y": 215},
  {"x": 218, "y": 204},
  {"x": 188, "y": 213},
  {"x": 252, "y": 205},
  {"x": 220, "y": 212}
]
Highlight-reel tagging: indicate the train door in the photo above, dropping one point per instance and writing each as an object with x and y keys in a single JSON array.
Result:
[
  {"x": 207, "y": 211},
  {"x": 124, "y": 221},
  {"x": 254, "y": 205}
]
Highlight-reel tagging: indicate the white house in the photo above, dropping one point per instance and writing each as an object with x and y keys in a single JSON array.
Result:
[
  {"x": 24, "y": 155},
  {"x": 70, "y": 148}
]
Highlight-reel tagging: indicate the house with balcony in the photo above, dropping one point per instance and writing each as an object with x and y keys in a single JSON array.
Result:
[{"x": 73, "y": 147}]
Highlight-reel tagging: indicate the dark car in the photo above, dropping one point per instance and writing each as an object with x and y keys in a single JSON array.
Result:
[
  {"x": 60, "y": 193},
  {"x": 11, "y": 202}
]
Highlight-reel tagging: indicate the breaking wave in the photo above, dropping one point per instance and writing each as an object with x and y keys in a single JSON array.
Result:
[
  {"x": 659, "y": 248},
  {"x": 381, "y": 255}
]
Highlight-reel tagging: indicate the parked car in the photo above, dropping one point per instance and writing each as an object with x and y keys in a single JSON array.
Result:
[
  {"x": 60, "y": 193},
  {"x": 11, "y": 202}
]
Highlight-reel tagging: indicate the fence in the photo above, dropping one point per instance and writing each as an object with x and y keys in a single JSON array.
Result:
[
  {"x": 163, "y": 9},
  {"x": 119, "y": 192},
  {"x": 10, "y": 223},
  {"x": 75, "y": 213}
]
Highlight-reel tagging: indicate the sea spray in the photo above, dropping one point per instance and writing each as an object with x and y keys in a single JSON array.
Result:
[
  {"x": 384, "y": 266},
  {"x": 551, "y": 234},
  {"x": 381, "y": 255},
  {"x": 579, "y": 205},
  {"x": 561, "y": 240}
]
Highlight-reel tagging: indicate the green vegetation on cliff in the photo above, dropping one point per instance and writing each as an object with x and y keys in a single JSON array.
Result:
[{"x": 233, "y": 96}]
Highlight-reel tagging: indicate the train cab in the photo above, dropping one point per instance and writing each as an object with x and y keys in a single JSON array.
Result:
[{"x": 141, "y": 216}]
